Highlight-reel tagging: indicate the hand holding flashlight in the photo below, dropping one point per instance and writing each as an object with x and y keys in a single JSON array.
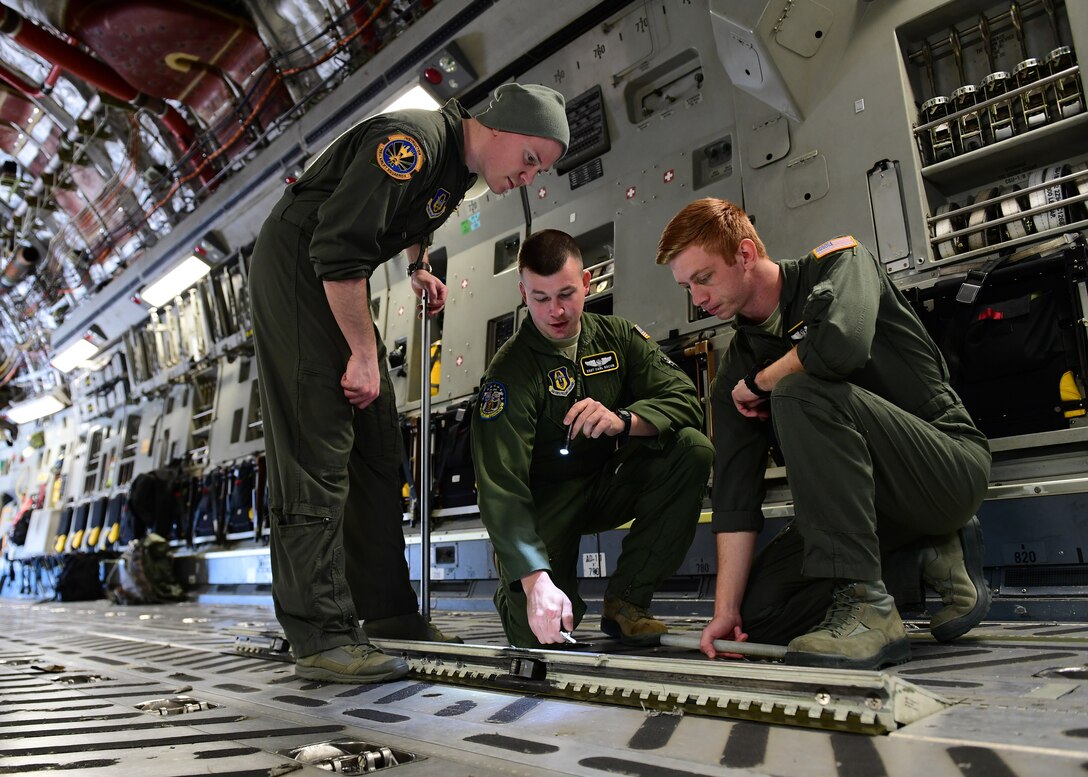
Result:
[{"x": 565, "y": 450}]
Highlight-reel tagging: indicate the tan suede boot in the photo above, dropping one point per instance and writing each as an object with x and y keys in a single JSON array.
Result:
[
  {"x": 952, "y": 566},
  {"x": 351, "y": 664},
  {"x": 862, "y": 630}
]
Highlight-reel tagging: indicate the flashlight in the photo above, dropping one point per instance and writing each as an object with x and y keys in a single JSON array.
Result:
[{"x": 565, "y": 450}]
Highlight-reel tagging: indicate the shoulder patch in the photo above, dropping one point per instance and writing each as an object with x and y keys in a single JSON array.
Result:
[
  {"x": 492, "y": 400},
  {"x": 436, "y": 206},
  {"x": 831, "y": 246},
  {"x": 641, "y": 331},
  {"x": 400, "y": 156}
]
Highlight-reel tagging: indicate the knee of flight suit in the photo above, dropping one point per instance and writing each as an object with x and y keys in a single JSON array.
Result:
[
  {"x": 695, "y": 449},
  {"x": 801, "y": 385},
  {"x": 798, "y": 399}
]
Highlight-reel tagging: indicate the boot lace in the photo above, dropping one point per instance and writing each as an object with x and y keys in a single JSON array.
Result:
[
  {"x": 844, "y": 605},
  {"x": 361, "y": 651}
]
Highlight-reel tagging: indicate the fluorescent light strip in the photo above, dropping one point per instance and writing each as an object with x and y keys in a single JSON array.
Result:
[
  {"x": 74, "y": 355},
  {"x": 416, "y": 97},
  {"x": 184, "y": 275},
  {"x": 33, "y": 409}
]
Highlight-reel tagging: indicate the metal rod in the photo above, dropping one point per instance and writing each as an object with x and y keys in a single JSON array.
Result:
[
  {"x": 691, "y": 641},
  {"x": 957, "y": 52},
  {"x": 1052, "y": 17},
  {"x": 1018, "y": 29},
  {"x": 987, "y": 40},
  {"x": 424, "y": 485}
]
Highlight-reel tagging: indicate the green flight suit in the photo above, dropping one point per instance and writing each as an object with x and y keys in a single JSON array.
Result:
[
  {"x": 537, "y": 503},
  {"x": 876, "y": 442},
  {"x": 337, "y": 546}
]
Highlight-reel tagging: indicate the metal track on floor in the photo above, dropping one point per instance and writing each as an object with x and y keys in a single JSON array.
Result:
[{"x": 826, "y": 699}]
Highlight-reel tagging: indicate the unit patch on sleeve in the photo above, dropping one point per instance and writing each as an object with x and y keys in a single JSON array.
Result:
[
  {"x": 641, "y": 331},
  {"x": 560, "y": 382},
  {"x": 831, "y": 246},
  {"x": 436, "y": 206},
  {"x": 492, "y": 400},
  {"x": 401, "y": 156},
  {"x": 600, "y": 362}
]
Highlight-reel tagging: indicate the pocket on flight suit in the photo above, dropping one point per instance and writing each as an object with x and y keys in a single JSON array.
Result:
[
  {"x": 377, "y": 426},
  {"x": 324, "y": 427}
]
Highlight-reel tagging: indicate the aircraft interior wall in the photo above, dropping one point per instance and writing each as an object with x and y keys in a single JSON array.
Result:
[{"x": 820, "y": 120}]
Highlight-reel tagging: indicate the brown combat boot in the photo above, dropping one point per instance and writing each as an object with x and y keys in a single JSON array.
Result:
[{"x": 629, "y": 623}]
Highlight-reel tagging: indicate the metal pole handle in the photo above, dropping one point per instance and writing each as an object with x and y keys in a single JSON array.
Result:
[
  {"x": 424, "y": 484},
  {"x": 691, "y": 641}
]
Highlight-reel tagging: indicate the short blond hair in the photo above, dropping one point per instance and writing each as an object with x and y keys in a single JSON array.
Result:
[{"x": 714, "y": 225}]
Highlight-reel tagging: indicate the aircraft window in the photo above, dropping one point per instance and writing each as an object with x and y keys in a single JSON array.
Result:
[
  {"x": 598, "y": 256},
  {"x": 438, "y": 260},
  {"x": 499, "y": 330},
  {"x": 254, "y": 424},
  {"x": 236, "y": 426},
  {"x": 506, "y": 252}
]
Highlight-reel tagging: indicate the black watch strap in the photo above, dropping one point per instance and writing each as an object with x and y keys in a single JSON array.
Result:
[
  {"x": 418, "y": 265},
  {"x": 750, "y": 380},
  {"x": 625, "y": 416}
]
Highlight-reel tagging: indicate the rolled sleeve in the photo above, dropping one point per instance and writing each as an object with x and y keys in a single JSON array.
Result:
[
  {"x": 840, "y": 315},
  {"x": 350, "y": 223}
]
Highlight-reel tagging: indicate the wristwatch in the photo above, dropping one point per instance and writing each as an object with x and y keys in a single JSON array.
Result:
[
  {"x": 418, "y": 265},
  {"x": 625, "y": 416},
  {"x": 750, "y": 380}
]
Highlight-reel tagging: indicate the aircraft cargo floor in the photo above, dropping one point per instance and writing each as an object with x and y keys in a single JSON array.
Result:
[{"x": 72, "y": 675}]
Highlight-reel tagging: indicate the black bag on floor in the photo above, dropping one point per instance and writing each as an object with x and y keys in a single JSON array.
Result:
[{"x": 79, "y": 580}]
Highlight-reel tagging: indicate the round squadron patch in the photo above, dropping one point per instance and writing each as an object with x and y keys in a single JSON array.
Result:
[
  {"x": 401, "y": 156},
  {"x": 492, "y": 400}
]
